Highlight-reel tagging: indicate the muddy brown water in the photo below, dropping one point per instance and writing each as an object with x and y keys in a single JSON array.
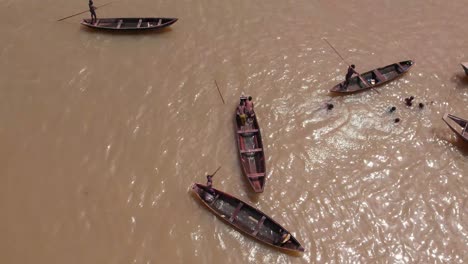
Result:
[{"x": 102, "y": 134}]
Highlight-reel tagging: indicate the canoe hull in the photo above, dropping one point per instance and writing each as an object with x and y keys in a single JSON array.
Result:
[
  {"x": 129, "y": 24},
  {"x": 374, "y": 78},
  {"x": 246, "y": 219},
  {"x": 457, "y": 125},
  {"x": 465, "y": 67},
  {"x": 251, "y": 153}
]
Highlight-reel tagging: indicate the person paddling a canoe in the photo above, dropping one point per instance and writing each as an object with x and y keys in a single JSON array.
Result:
[
  {"x": 92, "y": 9},
  {"x": 209, "y": 192},
  {"x": 348, "y": 76},
  {"x": 209, "y": 183}
]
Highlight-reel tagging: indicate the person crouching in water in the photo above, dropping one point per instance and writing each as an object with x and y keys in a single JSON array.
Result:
[{"x": 92, "y": 9}]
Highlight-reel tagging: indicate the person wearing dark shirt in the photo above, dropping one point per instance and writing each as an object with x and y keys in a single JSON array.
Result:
[
  {"x": 348, "y": 76},
  {"x": 92, "y": 9},
  {"x": 209, "y": 184}
]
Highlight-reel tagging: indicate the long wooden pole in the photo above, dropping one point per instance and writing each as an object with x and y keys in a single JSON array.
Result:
[
  {"x": 215, "y": 171},
  {"x": 84, "y": 11},
  {"x": 219, "y": 92},
  {"x": 346, "y": 61}
]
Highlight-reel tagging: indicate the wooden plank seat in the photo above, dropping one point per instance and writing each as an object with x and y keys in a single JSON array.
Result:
[
  {"x": 247, "y": 131},
  {"x": 243, "y": 151},
  {"x": 214, "y": 200},
  {"x": 120, "y": 23},
  {"x": 234, "y": 214},
  {"x": 400, "y": 68},
  {"x": 160, "y": 22},
  {"x": 379, "y": 76},
  {"x": 254, "y": 176},
  {"x": 259, "y": 225},
  {"x": 97, "y": 22},
  {"x": 465, "y": 129},
  {"x": 139, "y": 23}
]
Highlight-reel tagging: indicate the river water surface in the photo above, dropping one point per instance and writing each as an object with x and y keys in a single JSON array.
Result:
[{"x": 103, "y": 134}]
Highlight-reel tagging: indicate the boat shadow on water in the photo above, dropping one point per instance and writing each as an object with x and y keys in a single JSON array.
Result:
[
  {"x": 460, "y": 80},
  {"x": 461, "y": 145}
]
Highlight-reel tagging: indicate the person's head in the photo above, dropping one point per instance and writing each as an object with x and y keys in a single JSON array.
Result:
[
  {"x": 353, "y": 66},
  {"x": 250, "y": 98},
  {"x": 209, "y": 177},
  {"x": 421, "y": 105}
]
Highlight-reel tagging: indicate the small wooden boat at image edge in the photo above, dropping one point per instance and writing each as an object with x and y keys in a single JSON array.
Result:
[
  {"x": 458, "y": 125},
  {"x": 129, "y": 23},
  {"x": 374, "y": 78},
  {"x": 251, "y": 154},
  {"x": 465, "y": 67},
  {"x": 247, "y": 219}
]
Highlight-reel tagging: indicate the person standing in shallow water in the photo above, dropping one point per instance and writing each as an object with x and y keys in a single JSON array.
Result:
[
  {"x": 92, "y": 9},
  {"x": 348, "y": 76}
]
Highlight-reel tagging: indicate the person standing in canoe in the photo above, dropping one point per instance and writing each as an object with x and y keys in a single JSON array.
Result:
[
  {"x": 348, "y": 76},
  {"x": 92, "y": 9},
  {"x": 209, "y": 184},
  {"x": 241, "y": 114},
  {"x": 249, "y": 107}
]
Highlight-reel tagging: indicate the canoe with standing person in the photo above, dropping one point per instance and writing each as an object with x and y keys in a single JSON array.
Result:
[
  {"x": 125, "y": 24},
  {"x": 249, "y": 144},
  {"x": 373, "y": 78},
  {"x": 247, "y": 219}
]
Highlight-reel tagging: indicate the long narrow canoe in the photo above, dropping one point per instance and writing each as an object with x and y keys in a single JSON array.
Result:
[
  {"x": 374, "y": 78},
  {"x": 129, "y": 23},
  {"x": 251, "y": 154},
  {"x": 247, "y": 219},
  {"x": 465, "y": 67},
  {"x": 458, "y": 125}
]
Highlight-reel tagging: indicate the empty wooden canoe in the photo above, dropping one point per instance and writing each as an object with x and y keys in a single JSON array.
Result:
[
  {"x": 251, "y": 154},
  {"x": 458, "y": 125},
  {"x": 247, "y": 219},
  {"x": 465, "y": 67},
  {"x": 374, "y": 78},
  {"x": 129, "y": 23}
]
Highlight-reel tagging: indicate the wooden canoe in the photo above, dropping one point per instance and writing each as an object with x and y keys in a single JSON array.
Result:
[
  {"x": 374, "y": 78},
  {"x": 465, "y": 67},
  {"x": 251, "y": 153},
  {"x": 458, "y": 125},
  {"x": 247, "y": 219},
  {"x": 129, "y": 23}
]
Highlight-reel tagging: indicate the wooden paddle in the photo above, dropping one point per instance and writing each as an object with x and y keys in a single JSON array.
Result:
[
  {"x": 347, "y": 63},
  {"x": 85, "y": 11}
]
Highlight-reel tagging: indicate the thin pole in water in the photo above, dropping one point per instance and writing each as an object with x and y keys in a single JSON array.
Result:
[
  {"x": 219, "y": 92},
  {"x": 84, "y": 11}
]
